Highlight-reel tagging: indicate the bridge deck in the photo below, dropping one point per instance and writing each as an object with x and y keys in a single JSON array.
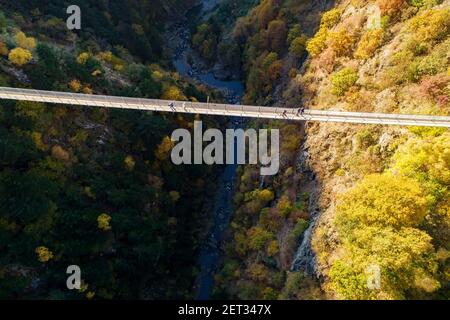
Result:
[{"x": 222, "y": 109}]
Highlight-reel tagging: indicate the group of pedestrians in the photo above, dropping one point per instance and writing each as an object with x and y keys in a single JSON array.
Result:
[{"x": 300, "y": 111}]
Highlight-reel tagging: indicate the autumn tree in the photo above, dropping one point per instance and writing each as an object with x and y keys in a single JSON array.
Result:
[
  {"x": 24, "y": 42},
  {"x": 383, "y": 200},
  {"x": 164, "y": 148},
  {"x": 341, "y": 42},
  {"x": 369, "y": 43},
  {"x": 173, "y": 93},
  {"x": 343, "y": 80},
  {"x": 19, "y": 56},
  {"x": 103, "y": 222},
  {"x": 44, "y": 254},
  {"x": 405, "y": 258},
  {"x": 298, "y": 46}
]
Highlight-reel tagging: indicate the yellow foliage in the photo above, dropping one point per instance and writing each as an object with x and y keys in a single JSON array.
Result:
[
  {"x": 431, "y": 25},
  {"x": 58, "y": 152},
  {"x": 258, "y": 238},
  {"x": 273, "y": 248},
  {"x": 164, "y": 148},
  {"x": 405, "y": 258},
  {"x": 258, "y": 272},
  {"x": 173, "y": 93},
  {"x": 87, "y": 90},
  {"x": 44, "y": 254},
  {"x": 425, "y": 159},
  {"x": 19, "y": 56},
  {"x": 119, "y": 67},
  {"x": 331, "y": 18},
  {"x": 83, "y": 58},
  {"x": 382, "y": 200},
  {"x": 341, "y": 42},
  {"x": 284, "y": 206},
  {"x": 37, "y": 138},
  {"x": 24, "y": 42},
  {"x": 75, "y": 85},
  {"x": 369, "y": 43},
  {"x": 3, "y": 49},
  {"x": 343, "y": 80},
  {"x": 157, "y": 75},
  {"x": 89, "y": 193},
  {"x": 103, "y": 222},
  {"x": 129, "y": 163},
  {"x": 266, "y": 195},
  {"x": 318, "y": 43},
  {"x": 96, "y": 73},
  {"x": 106, "y": 56}
]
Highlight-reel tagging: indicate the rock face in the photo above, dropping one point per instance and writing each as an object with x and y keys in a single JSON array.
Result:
[{"x": 304, "y": 259}]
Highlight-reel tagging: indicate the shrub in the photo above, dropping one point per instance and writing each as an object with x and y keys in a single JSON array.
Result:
[
  {"x": 103, "y": 222},
  {"x": 258, "y": 238},
  {"x": 341, "y": 42},
  {"x": 273, "y": 248},
  {"x": 19, "y": 56},
  {"x": 24, "y": 42},
  {"x": 270, "y": 58},
  {"x": 173, "y": 93},
  {"x": 75, "y": 85},
  {"x": 44, "y": 254},
  {"x": 369, "y": 43},
  {"x": 318, "y": 43},
  {"x": 83, "y": 58},
  {"x": 275, "y": 70},
  {"x": 390, "y": 7},
  {"x": 330, "y": 18},
  {"x": 432, "y": 64},
  {"x": 431, "y": 25},
  {"x": 298, "y": 46},
  {"x": 365, "y": 139},
  {"x": 299, "y": 229},
  {"x": 293, "y": 33},
  {"x": 265, "y": 196},
  {"x": 435, "y": 86},
  {"x": 343, "y": 80},
  {"x": 59, "y": 153},
  {"x": 284, "y": 206},
  {"x": 258, "y": 272}
]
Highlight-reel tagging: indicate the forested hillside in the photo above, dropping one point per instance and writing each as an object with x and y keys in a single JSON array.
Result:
[
  {"x": 136, "y": 25},
  {"x": 385, "y": 191},
  {"x": 96, "y": 188},
  {"x": 89, "y": 186},
  {"x": 381, "y": 193}
]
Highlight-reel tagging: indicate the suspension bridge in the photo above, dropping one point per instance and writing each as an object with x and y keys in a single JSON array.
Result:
[{"x": 67, "y": 98}]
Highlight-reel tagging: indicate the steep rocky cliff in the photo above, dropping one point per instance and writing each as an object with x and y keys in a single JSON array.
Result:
[{"x": 379, "y": 56}]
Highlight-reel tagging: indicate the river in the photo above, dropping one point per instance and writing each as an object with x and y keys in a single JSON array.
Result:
[{"x": 189, "y": 65}]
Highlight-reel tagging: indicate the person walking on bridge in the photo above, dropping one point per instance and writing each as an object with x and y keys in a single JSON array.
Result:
[{"x": 301, "y": 111}]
